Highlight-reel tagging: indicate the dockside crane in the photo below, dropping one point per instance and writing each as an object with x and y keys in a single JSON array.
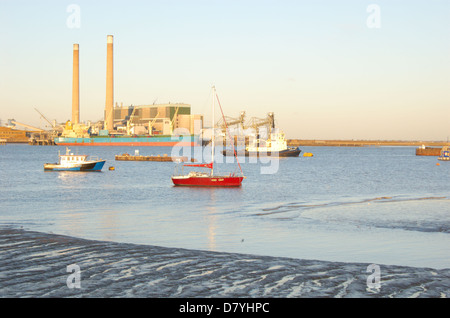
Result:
[
  {"x": 172, "y": 122},
  {"x": 13, "y": 122},
  {"x": 229, "y": 121},
  {"x": 42, "y": 115},
  {"x": 269, "y": 121},
  {"x": 256, "y": 123},
  {"x": 253, "y": 123},
  {"x": 150, "y": 126},
  {"x": 130, "y": 121}
]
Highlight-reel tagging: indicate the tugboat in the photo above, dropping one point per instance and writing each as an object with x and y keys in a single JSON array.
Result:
[
  {"x": 275, "y": 146},
  {"x": 71, "y": 162}
]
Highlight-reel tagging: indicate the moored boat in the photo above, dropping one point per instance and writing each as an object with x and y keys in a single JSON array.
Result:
[
  {"x": 275, "y": 146},
  {"x": 71, "y": 162},
  {"x": 445, "y": 154},
  {"x": 204, "y": 179}
]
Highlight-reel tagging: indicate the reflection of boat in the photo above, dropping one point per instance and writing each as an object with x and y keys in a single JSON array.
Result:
[
  {"x": 445, "y": 154},
  {"x": 275, "y": 146},
  {"x": 71, "y": 162},
  {"x": 204, "y": 179}
]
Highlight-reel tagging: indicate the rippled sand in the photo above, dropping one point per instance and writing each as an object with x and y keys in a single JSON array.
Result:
[{"x": 34, "y": 264}]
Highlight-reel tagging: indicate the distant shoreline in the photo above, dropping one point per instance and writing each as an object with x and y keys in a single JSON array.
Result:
[
  {"x": 344, "y": 143},
  {"x": 363, "y": 143}
]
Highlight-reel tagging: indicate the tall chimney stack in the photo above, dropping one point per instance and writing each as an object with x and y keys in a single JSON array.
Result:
[
  {"x": 109, "y": 115},
  {"x": 76, "y": 85}
]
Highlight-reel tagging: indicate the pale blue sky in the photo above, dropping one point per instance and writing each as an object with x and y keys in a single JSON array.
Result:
[{"x": 316, "y": 64}]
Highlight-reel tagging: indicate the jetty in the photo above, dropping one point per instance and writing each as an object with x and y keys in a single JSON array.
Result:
[
  {"x": 165, "y": 157},
  {"x": 363, "y": 143},
  {"x": 428, "y": 151}
]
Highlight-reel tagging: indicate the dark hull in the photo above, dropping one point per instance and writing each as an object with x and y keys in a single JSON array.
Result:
[{"x": 290, "y": 152}]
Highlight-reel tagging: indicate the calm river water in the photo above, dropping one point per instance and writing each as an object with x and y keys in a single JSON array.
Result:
[{"x": 381, "y": 205}]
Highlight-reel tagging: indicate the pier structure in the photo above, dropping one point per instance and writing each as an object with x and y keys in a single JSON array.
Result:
[{"x": 428, "y": 151}]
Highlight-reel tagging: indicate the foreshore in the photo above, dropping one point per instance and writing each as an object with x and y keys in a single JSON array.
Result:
[
  {"x": 41, "y": 265},
  {"x": 363, "y": 143}
]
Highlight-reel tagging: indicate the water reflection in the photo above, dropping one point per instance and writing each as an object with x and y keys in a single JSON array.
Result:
[
  {"x": 109, "y": 225},
  {"x": 211, "y": 216},
  {"x": 72, "y": 178}
]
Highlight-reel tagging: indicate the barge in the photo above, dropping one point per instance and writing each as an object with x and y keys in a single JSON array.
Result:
[{"x": 428, "y": 151}]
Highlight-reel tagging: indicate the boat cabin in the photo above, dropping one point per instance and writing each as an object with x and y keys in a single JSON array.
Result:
[
  {"x": 72, "y": 158},
  {"x": 445, "y": 153}
]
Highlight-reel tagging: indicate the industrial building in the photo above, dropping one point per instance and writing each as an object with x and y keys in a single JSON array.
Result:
[
  {"x": 156, "y": 119},
  {"x": 159, "y": 119},
  {"x": 13, "y": 135}
]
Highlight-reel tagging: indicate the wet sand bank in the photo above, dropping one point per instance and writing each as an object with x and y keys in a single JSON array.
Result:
[{"x": 34, "y": 264}]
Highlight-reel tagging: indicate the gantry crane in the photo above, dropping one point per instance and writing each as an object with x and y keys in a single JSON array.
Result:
[
  {"x": 13, "y": 122},
  {"x": 42, "y": 115},
  {"x": 229, "y": 121},
  {"x": 256, "y": 123},
  {"x": 130, "y": 120},
  {"x": 173, "y": 120},
  {"x": 150, "y": 126}
]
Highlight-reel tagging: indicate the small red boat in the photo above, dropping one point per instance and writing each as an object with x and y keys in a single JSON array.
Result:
[{"x": 203, "y": 179}]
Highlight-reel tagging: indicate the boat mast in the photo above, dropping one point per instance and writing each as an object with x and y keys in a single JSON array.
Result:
[{"x": 213, "y": 132}]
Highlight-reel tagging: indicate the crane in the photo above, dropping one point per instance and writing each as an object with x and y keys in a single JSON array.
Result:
[
  {"x": 173, "y": 119},
  {"x": 42, "y": 115},
  {"x": 229, "y": 121},
  {"x": 129, "y": 122},
  {"x": 12, "y": 122},
  {"x": 255, "y": 123},
  {"x": 150, "y": 126}
]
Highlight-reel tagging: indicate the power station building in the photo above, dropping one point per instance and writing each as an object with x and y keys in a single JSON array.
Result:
[{"x": 161, "y": 119}]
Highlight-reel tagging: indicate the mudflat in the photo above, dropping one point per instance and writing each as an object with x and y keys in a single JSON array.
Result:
[{"x": 35, "y": 264}]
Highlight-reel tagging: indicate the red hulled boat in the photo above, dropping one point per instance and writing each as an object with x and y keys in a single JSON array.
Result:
[{"x": 205, "y": 179}]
